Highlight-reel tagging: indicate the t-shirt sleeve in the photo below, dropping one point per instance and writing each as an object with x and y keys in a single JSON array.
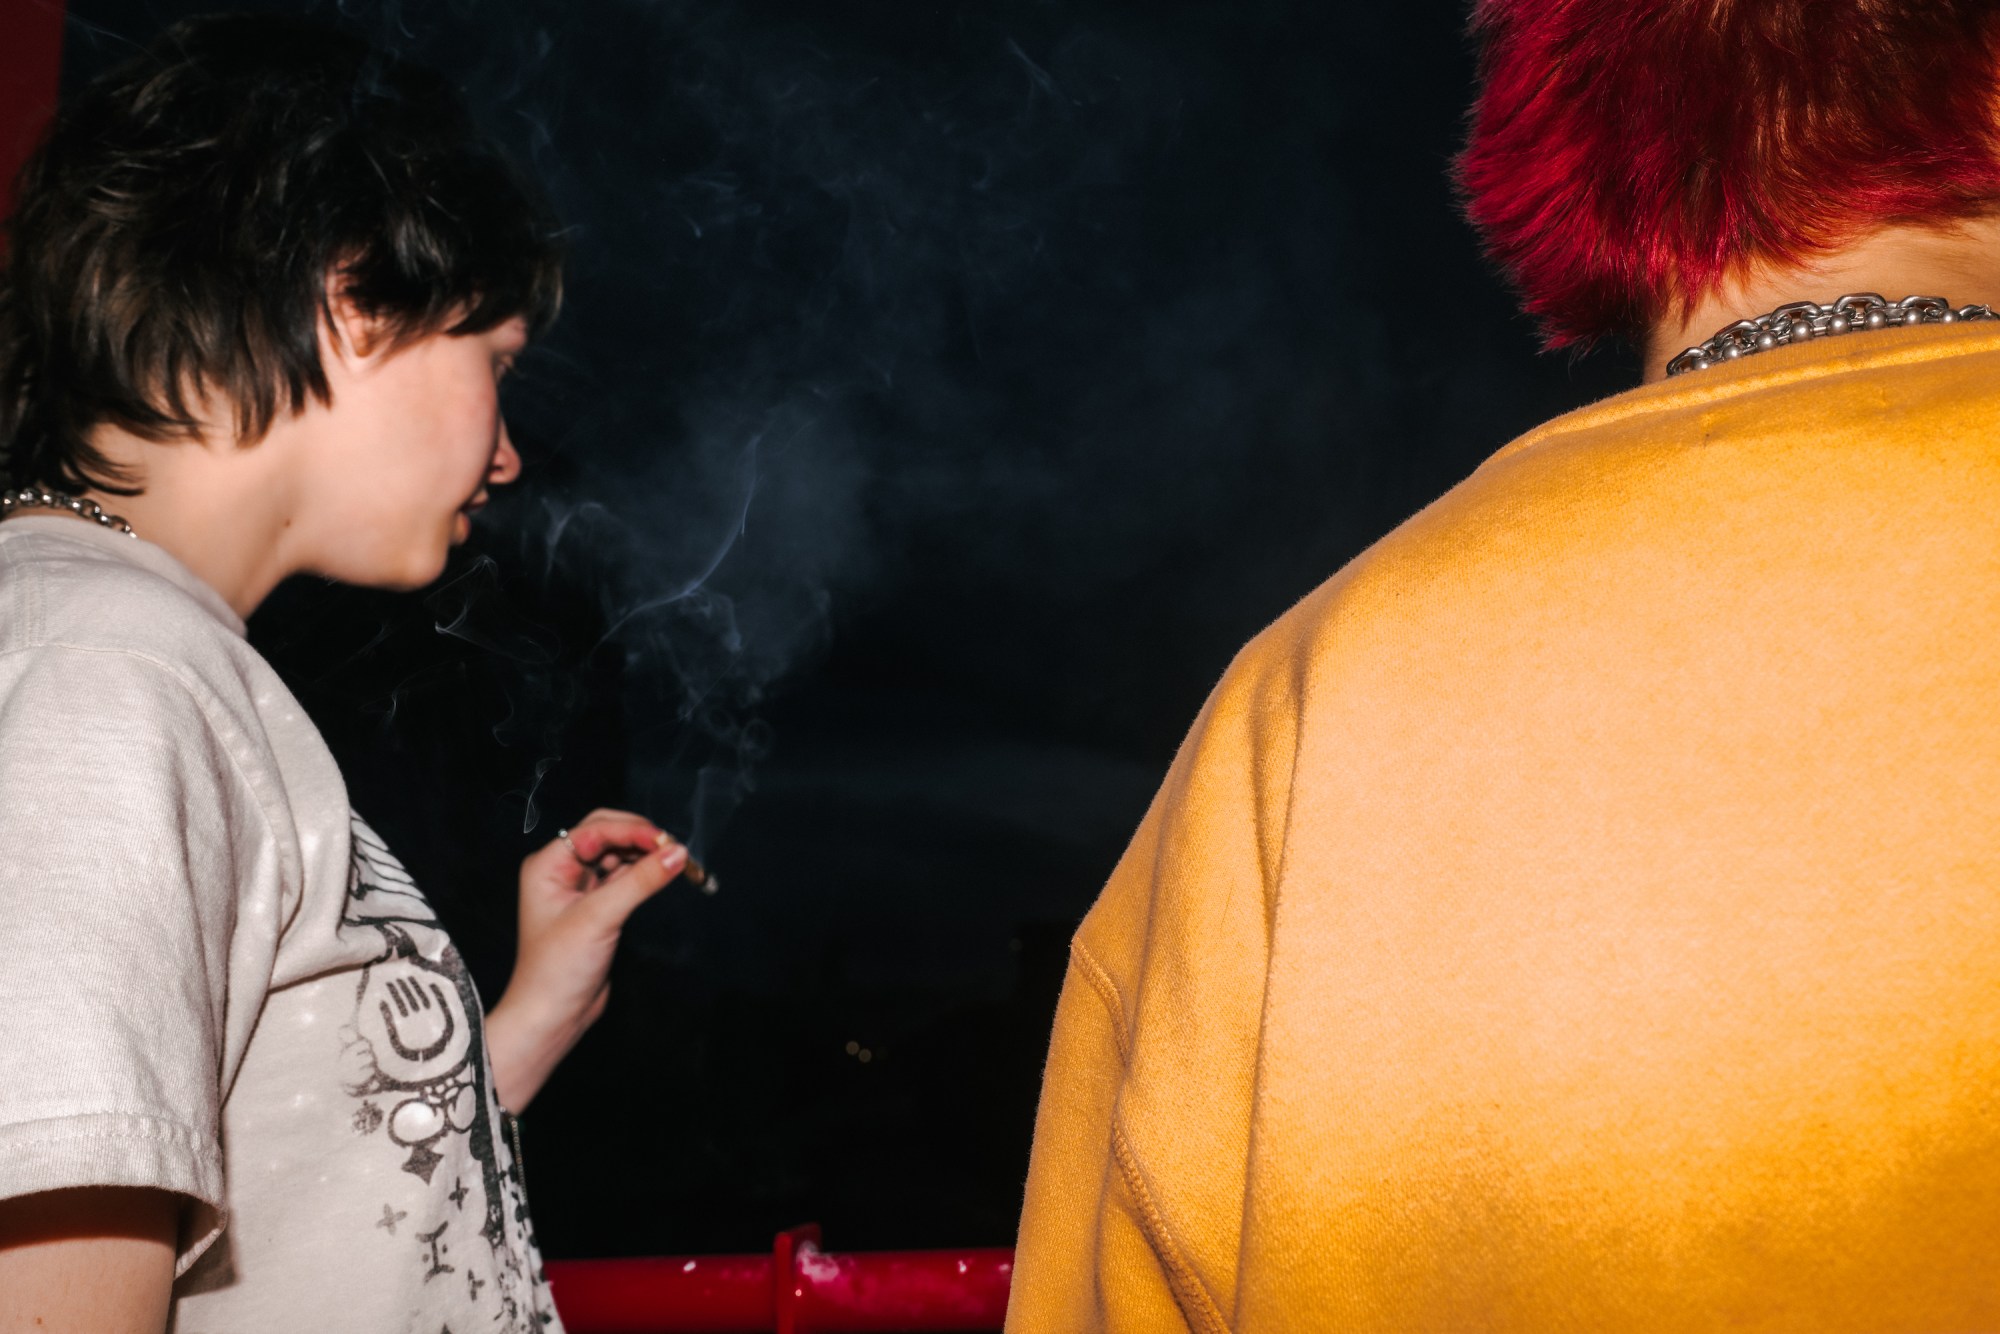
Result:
[{"x": 126, "y": 832}]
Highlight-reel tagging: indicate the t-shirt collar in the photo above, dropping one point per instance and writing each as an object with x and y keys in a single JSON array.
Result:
[{"x": 141, "y": 553}]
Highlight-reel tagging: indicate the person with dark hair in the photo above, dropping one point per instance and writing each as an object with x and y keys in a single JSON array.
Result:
[
  {"x": 1583, "y": 912},
  {"x": 259, "y": 290}
]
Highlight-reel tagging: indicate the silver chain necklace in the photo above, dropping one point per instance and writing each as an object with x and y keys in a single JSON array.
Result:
[
  {"x": 33, "y": 497},
  {"x": 1803, "y": 321}
]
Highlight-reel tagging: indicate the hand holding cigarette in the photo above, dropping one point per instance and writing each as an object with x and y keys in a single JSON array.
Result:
[
  {"x": 576, "y": 894},
  {"x": 611, "y": 860}
]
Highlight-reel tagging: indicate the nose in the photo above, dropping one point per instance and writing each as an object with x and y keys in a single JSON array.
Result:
[{"x": 506, "y": 465}]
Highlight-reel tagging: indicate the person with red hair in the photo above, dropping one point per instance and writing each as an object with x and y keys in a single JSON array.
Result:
[{"x": 1583, "y": 911}]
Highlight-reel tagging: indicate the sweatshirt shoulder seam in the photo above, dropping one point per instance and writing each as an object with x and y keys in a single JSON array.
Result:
[
  {"x": 1189, "y": 1291},
  {"x": 1107, "y": 992}
]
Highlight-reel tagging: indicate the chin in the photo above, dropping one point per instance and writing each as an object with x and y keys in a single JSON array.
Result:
[
  {"x": 428, "y": 571},
  {"x": 394, "y": 567},
  {"x": 420, "y": 571}
]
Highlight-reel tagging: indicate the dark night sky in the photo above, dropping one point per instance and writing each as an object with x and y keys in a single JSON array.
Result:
[{"x": 945, "y": 392}]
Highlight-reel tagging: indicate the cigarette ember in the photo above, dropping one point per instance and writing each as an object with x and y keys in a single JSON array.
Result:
[
  {"x": 699, "y": 876},
  {"x": 693, "y": 872}
]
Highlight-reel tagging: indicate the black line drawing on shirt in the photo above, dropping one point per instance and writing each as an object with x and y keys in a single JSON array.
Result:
[
  {"x": 391, "y": 1217},
  {"x": 414, "y": 1006},
  {"x": 435, "y": 1240},
  {"x": 415, "y": 1047},
  {"x": 416, "y": 1036}
]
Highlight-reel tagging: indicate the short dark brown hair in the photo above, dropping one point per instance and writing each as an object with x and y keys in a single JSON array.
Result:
[
  {"x": 175, "y": 233},
  {"x": 1627, "y": 156}
]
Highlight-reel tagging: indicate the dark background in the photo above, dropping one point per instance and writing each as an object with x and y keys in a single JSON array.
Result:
[{"x": 945, "y": 392}]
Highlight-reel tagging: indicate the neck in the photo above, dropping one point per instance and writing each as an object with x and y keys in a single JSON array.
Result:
[
  {"x": 1961, "y": 264},
  {"x": 217, "y": 509}
]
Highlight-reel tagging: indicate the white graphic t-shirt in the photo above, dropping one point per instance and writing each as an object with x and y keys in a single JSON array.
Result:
[{"x": 216, "y": 981}]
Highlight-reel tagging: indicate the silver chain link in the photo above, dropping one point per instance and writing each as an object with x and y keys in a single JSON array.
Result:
[
  {"x": 30, "y": 497},
  {"x": 1803, "y": 321}
]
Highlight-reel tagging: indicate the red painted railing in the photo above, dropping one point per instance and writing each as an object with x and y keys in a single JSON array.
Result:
[{"x": 796, "y": 1289}]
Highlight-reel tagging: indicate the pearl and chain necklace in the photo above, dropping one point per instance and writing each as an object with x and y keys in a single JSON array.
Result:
[
  {"x": 1803, "y": 321},
  {"x": 33, "y": 497}
]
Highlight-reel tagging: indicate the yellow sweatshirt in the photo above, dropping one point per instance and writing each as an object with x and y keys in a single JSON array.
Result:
[{"x": 1583, "y": 912}]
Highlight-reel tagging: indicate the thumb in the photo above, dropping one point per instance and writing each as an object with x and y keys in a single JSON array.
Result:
[{"x": 614, "y": 900}]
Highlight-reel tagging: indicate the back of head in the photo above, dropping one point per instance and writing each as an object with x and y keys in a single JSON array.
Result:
[
  {"x": 1626, "y": 156},
  {"x": 169, "y": 258}
]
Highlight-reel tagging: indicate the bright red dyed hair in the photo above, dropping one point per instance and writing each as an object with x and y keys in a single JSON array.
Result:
[{"x": 1625, "y": 156}]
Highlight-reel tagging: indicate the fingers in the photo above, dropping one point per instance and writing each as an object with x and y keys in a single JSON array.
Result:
[
  {"x": 614, "y": 832},
  {"x": 632, "y": 885},
  {"x": 612, "y": 856},
  {"x": 600, "y": 843}
]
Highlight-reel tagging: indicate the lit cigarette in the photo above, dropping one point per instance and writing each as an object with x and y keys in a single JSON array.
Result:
[
  {"x": 698, "y": 876},
  {"x": 693, "y": 872}
]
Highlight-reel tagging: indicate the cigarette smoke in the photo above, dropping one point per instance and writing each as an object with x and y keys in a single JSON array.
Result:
[
  {"x": 1043, "y": 309},
  {"x": 945, "y": 392},
  {"x": 795, "y": 345}
]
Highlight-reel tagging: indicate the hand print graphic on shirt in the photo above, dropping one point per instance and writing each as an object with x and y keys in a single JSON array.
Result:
[
  {"x": 416, "y": 1061},
  {"x": 415, "y": 1043},
  {"x": 419, "y": 1017}
]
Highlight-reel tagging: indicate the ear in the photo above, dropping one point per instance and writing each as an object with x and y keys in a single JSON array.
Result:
[{"x": 346, "y": 330}]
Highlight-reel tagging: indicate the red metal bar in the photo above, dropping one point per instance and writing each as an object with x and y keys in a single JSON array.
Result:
[
  {"x": 30, "y": 69},
  {"x": 797, "y": 1289},
  {"x": 715, "y": 1294}
]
